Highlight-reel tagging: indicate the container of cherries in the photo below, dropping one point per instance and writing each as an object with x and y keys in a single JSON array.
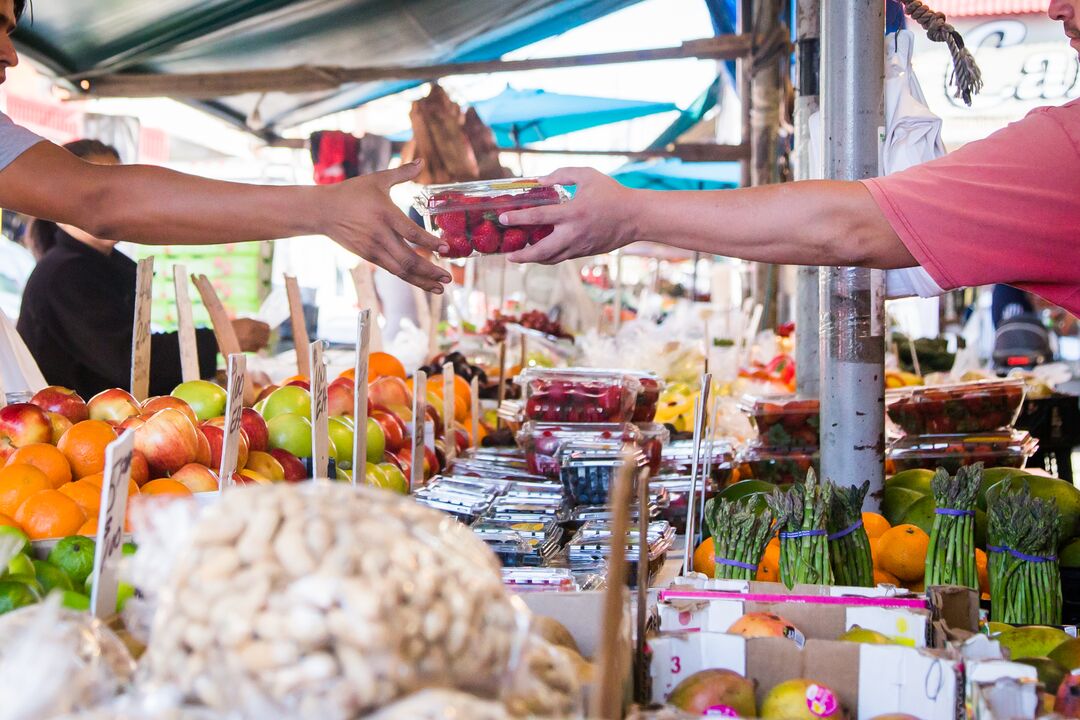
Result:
[
  {"x": 578, "y": 395},
  {"x": 466, "y": 215}
]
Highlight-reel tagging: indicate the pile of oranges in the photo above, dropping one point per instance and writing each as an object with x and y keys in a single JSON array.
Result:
[{"x": 51, "y": 491}]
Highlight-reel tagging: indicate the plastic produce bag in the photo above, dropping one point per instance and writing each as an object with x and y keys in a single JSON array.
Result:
[{"x": 18, "y": 371}]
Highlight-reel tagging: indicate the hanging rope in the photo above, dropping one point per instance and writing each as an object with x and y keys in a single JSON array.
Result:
[{"x": 966, "y": 73}]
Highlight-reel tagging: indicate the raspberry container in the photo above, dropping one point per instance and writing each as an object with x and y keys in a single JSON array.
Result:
[
  {"x": 541, "y": 441},
  {"x": 466, "y": 215},
  {"x": 972, "y": 407},
  {"x": 648, "y": 398},
  {"x": 578, "y": 395},
  {"x": 929, "y": 452},
  {"x": 587, "y": 471},
  {"x": 783, "y": 422},
  {"x": 678, "y": 459},
  {"x": 777, "y": 465}
]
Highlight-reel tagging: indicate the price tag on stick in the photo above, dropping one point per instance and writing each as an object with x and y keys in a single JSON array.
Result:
[
  {"x": 234, "y": 408},
  {"x": 449, "y": 431},
  {"x": 474, "y": 410},
  {"x": 367, "y": 299},
  {"x": 320, "y": 420},
  {"x": 140, "y": 338},
  {"x": 223, "y": 329},
  {"x": 110, "y": 534},
  {"x": 189, "y": 349},
  {"x": 360, "y": 393},
  {"x": 416, "y": 469},
  {"x": 301, "y": 341}
]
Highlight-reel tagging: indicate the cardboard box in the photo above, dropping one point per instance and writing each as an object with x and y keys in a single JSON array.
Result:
[
  {"x": 579, "y": 612},
  {"x": 869, "y": 680}
]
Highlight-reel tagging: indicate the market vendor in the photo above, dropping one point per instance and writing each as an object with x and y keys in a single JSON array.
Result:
[
  {"x": 157, "y": 206},
  {"x": 1005, "y": 209},
  {"x": 79, "y": 301}
]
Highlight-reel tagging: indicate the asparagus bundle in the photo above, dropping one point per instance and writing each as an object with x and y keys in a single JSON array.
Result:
[
  {"x": 740, "y": 532},
  {"x": 950, "y": 559},
  {"x": 801, "y": 516},
  {"x": 1025, "y": 580},
  {"x": 849, "y": 546}
]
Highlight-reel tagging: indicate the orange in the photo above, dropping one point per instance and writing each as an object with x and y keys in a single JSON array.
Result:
[
  {"x": 295, "y": 378},
  {"x": 89, "y": 527},
  {"x": 84, "y": 446},
  {"x": 49, "y": 514},
  {"x": 18, "y": 482},
  {"x": 883, "y": 578},
  {"x": 382, "y": 364},
  {"x": 45, "y": 458},
  {"x": 95, "y": 479},
  {"x": 769, "y": 567},
  {"x": 164, "y": 486},
  {"x": 5, "y": 520},
  {"x": 349, "y": 373},
  {"x": 875, "y": 550},
  {"x": 462, "y": 389},
  {"x": 903, "y": 552},
  {"x": 876, "y": 525},
  {"x": 705, "y": 558},
  {"x": 86, "y": 495},
  {"x": 984, "y": 571}
]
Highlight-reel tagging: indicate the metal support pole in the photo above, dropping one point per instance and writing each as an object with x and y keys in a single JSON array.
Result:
[
  {"x": 852, "y": 299},
  {"x": 807, "y": 359}
]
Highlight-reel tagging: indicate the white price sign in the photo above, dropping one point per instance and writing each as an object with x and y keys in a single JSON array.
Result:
[{"x": 110, "y": 534}]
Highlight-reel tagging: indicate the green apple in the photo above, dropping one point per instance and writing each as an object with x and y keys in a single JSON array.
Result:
[
  {"x": 207, "y": 399},
  {"x": 341, "y": 435},
  {"x": 289, "y": 399},
  {"x": 343, "y": 475},
  {"x": 395, "y": 479},
  {"x": 374, "y": 475},
  {"x": 290, "y": 431},
  {"x": 376, "y": 441}
]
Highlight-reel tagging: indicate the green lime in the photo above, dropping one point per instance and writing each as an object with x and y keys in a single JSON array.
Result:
[
  {"x": 129, "y": 548},
  {"x": 51, "y": 576},
  {"x": 75, "y": 600},
  {"x": 1069, "y": 557},
  {"x": 75, "y": 556},
  {"x": 21, "y": 564},
  {"x": 14, "y": 595},
  {"x": 6, "y": 530},
  {"x": 29, "y": 581},
  {"x": 124, "y": 592}
]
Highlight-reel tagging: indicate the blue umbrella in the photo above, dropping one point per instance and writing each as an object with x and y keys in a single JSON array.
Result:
[
  {"x": 518, "y": 117},
  {"x": 674, "y": 174}
]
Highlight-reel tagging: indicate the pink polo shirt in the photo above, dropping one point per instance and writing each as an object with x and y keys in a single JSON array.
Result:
[{"x": 1005, "y": 209}]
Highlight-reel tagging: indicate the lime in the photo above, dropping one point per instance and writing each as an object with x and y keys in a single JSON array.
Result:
[
  {"x": 129, "y": 548},
  {"x": 29, "y": 581},
  {"x": 51, "y": 576},
  {"x": 21, "y": 564},
  {"x": 6, "y": 530},
  {"x": 124, "y": 592},
  {"x": 75, "y": 556},
  {"x": 1069, "y": 557},
  {"x": 75, "y": 600},
  {"x": 14, "y": 595}
]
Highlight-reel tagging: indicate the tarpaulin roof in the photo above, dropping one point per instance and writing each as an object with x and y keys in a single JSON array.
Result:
[
  {"x": 674, "y": 174},
  {"x": 76, "y": 39}
]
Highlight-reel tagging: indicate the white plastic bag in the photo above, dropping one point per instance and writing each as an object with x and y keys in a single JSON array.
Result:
[{"x": 18, "y": 371}]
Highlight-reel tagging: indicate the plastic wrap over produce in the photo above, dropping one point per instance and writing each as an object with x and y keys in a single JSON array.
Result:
[
  {"x": 330, "y": 601},
  {"x": 852, "y": 314}
]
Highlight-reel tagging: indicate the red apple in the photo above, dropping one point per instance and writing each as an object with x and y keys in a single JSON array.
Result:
[
  {"x": 24, "y": 424},
  {"x": 62, "y": 400},
  {"x": 393, "y": 428},
  {"x": 293, "y": 467},
  {"x": 265, "y": 392},
  {"x": 168, "y": 440},
  {"x": 197, "y": 478},
  {"x": 214, "y": 430},
  {"x": 431, "y": 462},
  {"x": 339, "y": 397},
  {"x": 462, "y": 437},
  {"x": 113, "y": 405},
  {"x": 203, "y": 456},
  {"x": 389, "y": 391},
  {"x": 266, "y": 465},
  {"x": 253, "y": 424},
  {"x": 60, "y": 425},
  {"x": 140, "y": 469},
  {"x": 300, "y": 383},
  {"x": 250, "y": 477},
  {"x": 390, "y": 458},
  {"x": 131, "y": 423},
  {"x": 435, "y": 419},
  {"x": 152, "y": 405}
]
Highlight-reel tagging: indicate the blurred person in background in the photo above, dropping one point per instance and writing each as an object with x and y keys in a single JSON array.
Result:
[{"x": 79, "y": 303}]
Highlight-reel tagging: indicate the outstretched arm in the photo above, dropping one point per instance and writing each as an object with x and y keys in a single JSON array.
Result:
[
  {"x": 804, "y": 223},
  {"x": 153, "y": 205}
]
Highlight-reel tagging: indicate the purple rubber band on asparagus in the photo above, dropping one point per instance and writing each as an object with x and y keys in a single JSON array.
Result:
[
  {"x": 954, "y": 513},
  {"x": 735, "y": 563},
  {"x": 846, "y": 531},
  {"x": 801, "y": 534}
]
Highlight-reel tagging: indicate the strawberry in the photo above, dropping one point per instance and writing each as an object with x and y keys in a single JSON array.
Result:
[
  {"x": 486, "y": 237},
  {"x": 539, "y": 232},
  {"x": 459, "y": 245},
  {"x": 514, "y": 239},
  {"x": 451, "y": 222}
]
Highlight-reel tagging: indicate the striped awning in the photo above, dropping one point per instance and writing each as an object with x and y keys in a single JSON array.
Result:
[{"x": 973, "y": 8}]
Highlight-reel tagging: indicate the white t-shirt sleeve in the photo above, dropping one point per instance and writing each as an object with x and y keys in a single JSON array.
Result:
[
  {"x": 14, "y": 140},
  {"x": 909, "y": 282}
]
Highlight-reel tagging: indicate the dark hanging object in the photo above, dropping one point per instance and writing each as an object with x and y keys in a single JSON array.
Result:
[{"x": 966, "y": 73}]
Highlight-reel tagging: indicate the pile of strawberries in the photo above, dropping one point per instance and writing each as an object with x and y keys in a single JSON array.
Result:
[{"x": 471, "y": 223}]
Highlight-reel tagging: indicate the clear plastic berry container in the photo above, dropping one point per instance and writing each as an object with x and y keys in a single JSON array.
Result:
[
  {"x": 929, "y": 452},
  {"x": 578, "y": 395},
  {"x": 648, "y": 398},
  {"x": 972, "y": 407},
  {"x": 777, "y": 465},
  {"x": 783, "y": 422},
  {"x": 466, "y": 215},
  {"x": 587, "y": 471},
  {"x": 541, "y": 441}
]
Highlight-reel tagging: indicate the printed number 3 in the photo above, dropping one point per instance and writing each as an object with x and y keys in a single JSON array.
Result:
[{"x": 676, "y": 665}]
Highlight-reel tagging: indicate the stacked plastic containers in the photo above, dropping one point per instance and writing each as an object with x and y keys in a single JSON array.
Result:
[
  {"x": 788, "y": 442},
  {"x": 953, "y": 425}
]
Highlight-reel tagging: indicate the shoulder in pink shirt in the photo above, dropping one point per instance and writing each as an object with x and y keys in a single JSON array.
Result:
[{"x": 1005, "y": 209}]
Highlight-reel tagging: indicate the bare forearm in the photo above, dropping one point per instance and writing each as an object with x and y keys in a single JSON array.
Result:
[{"x": 805, "y": 223}]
